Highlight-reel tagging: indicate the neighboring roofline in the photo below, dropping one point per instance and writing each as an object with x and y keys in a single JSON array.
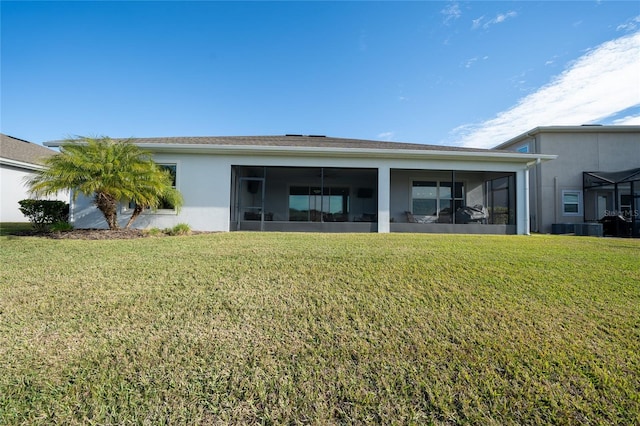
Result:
[
  {"x": 587, "y": 128},
  {"x": 325, "y": 151},
  {"x": 20, "y": 164},
  {"x": 19, "y": 152}
]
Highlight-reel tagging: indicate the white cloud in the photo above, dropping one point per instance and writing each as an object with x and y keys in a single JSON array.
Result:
[
  {"x": 476, "y": 23},
  {"x": 630, "y": 25},
  {"x": 470, "y": 62},
  {"x": 452, "y": 11},
  {"x": 630, "y": 120},
  {"x": 473, "y": 60},
  {"x": 386, "y": 136},
  {"x": 601, "y": 83},
  {"x": 500, "y": 18}
]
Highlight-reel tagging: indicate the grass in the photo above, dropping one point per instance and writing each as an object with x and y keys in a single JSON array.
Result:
[
  {"x": 267, "y": 328},
  {"x": 8, "y": 228}
]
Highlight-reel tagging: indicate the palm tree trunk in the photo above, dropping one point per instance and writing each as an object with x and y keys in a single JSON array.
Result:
[
  {"x": 136, "y": 212},
  {"x": 109, "y": 208}
]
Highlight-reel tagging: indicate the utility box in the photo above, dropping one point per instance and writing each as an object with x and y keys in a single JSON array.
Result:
[{"x": 588, "y": 229}]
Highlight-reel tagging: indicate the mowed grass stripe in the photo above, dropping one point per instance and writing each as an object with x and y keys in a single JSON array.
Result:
[{"x": 261, "y": 328}]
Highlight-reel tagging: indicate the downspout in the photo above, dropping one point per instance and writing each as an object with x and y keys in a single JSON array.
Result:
[
  {"x": 537, "y": 187},
  {"x": 534, "y": 202},
  {"x": 321, "y": 194},
  {"x": 527, "y": 195},
  {"x": 634, "y": 211},
  {"x": 555, "y": 199},
  {"x": 72, "y": 207},
  {"x": 453, "y": 196}
]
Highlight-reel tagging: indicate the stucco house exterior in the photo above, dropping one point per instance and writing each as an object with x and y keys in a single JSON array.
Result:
[
  {"x": 324, "y": 184},
  {"x": 595, "y": 178},
  {"x": 18, "y": 160}
]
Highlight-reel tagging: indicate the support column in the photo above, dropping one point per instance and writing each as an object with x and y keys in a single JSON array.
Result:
[
  {"x": 384, "y": 192},
  {"x": 522, "y": 202}
]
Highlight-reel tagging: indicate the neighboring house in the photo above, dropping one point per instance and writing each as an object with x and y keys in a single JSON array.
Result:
[
  {"x": 595, "y": 177},
  {"x": 18, "y": 160},
  {"x": 317, "y": 183}
]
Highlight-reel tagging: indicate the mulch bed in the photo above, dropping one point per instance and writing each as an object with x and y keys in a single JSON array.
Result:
[
  {"x": 87, "y": 234},
  {"x": 97, "y": 234}
]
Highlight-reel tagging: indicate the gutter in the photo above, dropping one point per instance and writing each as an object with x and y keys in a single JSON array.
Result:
[
  {"x": 23, "y": 165},
  {"x": 299, "y": 151}
]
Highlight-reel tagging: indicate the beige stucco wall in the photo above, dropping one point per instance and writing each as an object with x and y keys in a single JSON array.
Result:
[{"x": 577, "y": 153}]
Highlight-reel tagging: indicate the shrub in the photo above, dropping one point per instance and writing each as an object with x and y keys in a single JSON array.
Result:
[
  {"x": 180, "y": 229},
  {"x": 154, "y": 232},
  {"x": 61, "y": 227},
  {"x": 44, "y": 213}
]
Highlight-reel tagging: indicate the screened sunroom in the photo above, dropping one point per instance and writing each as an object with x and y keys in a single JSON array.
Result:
[
  {"x": 304, "y": 199},
  {"x": 453, "y": 201},
  {"x": 331, "y": 199},
  {"x": 613, "y": 199}
]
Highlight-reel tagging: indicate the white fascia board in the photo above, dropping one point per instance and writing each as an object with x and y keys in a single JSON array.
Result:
[
  {"x": 298, "y": 151},
  {"x": 569, "y": 129},
  {"x": 22, "y": 165}
]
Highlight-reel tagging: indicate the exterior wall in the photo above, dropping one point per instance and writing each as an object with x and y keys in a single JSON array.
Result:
[
  {"x": 205, "y": 183},
  {"x": 581, "y": 150},
  {"x": 203, "y": 180},
  {"x": 14, "y": 189},
  {"x": 578, "y": 153}
]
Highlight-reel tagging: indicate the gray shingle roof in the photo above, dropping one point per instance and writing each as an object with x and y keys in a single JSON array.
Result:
[
  {"x": 20, "y": 150},
  {"x": 309, "y": 141}
]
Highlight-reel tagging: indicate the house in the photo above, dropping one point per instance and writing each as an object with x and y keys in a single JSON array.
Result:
[
  {"x": 18, "y": 160},
  {"x": 324, "y": 184},
  {"x": 595, "y": 178}
]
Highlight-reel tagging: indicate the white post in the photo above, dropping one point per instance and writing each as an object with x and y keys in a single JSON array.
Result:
[
  {"x": 522, "y": 205},
  {"x": 384, "y": 192}
]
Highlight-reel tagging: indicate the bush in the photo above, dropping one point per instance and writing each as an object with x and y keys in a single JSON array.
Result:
[
  {"x": 44, "y": 213},
  {"x": 180, "y": 229},
  {"x": 61, "y": 227},
  {"x": 153, "y": 232}
]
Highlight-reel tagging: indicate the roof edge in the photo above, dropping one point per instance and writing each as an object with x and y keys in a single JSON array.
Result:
[
  {"x": 21, "y": 164},
  {"x": 350, "y": 152},
  {"x": 585, "y": 128}
]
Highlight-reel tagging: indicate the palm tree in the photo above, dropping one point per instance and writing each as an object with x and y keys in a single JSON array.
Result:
[{"x": 110, "y": 171}]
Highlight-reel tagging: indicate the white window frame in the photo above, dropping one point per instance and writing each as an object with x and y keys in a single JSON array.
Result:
[
  {"x": 126, "y": 208},
  {"x": 578, "y": 203},
  {"x": 438, "y": 181}
]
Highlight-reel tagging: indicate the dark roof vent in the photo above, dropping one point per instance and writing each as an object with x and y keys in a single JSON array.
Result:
[
  {"x": 292, "y": 135},
  {"x": 317, "y": 136},
  {"x": 591, "y": 125}
]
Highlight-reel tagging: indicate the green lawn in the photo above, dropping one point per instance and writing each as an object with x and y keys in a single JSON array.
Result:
[
  {"x": 268, "y": 328},
  {"x": 8, "y": 228}
]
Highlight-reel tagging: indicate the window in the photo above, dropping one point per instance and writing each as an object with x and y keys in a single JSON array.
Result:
[
  {"x": 571, "y": 203},
  {"x": 436, "y": 199},
  {"x": 425, "y": 198},
  {"x": 310, "y": 203},
  {"x": 173, "y": 171},
  {"x": 164, "y": 204},
  {"x": 523, "y": 148}
]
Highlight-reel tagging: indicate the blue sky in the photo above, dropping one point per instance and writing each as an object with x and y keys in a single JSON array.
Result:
[{"x": 454, "y": 73}]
